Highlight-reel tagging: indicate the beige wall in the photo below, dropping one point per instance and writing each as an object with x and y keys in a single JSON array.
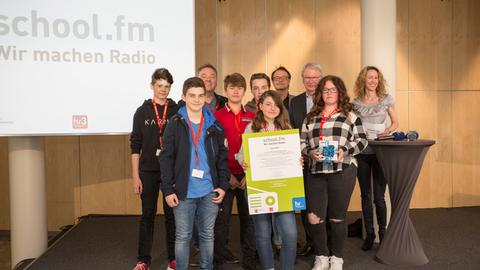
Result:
[
  {"x": 438, "y": 89},
  {"x": 438, "y": 92}
]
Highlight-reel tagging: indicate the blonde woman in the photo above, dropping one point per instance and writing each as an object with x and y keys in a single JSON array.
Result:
[{"x": 373, "y": 105}]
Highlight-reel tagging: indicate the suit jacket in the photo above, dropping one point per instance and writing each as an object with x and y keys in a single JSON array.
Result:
[{"x": 298, "y": 110}]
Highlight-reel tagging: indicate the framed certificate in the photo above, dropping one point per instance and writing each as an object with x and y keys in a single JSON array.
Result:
[{"x": 274, "y": 175}]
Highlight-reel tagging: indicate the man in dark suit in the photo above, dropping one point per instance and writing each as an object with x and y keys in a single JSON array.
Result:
[{"x": 300, "y": 106}]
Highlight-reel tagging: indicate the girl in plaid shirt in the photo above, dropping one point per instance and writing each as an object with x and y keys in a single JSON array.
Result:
[{"x": 331, "y": 136}]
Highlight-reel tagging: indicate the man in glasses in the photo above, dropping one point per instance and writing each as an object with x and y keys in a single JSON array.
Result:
[
  {"x": 281, "y": 82},
  {"x": 300, "y": 106}
]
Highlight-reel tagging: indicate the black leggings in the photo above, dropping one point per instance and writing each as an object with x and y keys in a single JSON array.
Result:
[
  {"x": 329, "y": 195},
  {"x": 149, "y": 196},
  {"x": 368, "y": 164}
]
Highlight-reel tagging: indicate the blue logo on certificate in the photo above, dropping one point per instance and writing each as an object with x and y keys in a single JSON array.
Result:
[{"x": 299, "y": 203}]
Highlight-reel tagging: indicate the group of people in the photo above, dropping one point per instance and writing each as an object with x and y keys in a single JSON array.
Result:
[{"x": 192, "y": 151}]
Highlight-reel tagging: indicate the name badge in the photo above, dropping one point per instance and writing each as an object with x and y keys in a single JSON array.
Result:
[
  {"x": 158, "y": 152},
  {"x": 197, "y": 173}
]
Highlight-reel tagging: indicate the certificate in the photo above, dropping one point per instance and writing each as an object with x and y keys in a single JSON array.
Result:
[{"x": 274, "y": 175}]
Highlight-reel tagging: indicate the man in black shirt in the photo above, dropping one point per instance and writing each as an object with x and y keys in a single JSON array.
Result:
[{"x": 281, "y": 82}]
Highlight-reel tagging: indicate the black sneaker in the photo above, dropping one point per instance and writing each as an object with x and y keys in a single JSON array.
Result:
[{"x": 230, "y": 258}]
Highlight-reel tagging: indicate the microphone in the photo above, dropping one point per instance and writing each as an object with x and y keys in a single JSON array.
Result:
[
  {"x": 396, "y": 136},
  {"x": 412, "y": 135},
  {"x": 384, "y": 138}
]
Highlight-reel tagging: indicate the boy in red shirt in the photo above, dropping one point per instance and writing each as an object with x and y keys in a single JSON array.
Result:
[{"x": 234, "y": 118}]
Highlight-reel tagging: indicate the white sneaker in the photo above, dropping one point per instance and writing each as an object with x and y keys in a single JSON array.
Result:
[
  {"x": 321, "y": 263},
  {"x": 336, "y": 263}
]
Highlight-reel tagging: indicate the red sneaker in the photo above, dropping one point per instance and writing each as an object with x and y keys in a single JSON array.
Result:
[
  {"x": 141, "y": 266},
  {"x": 172, "y": 265}
]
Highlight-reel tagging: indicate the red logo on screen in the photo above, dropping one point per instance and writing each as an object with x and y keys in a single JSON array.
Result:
[{"x": 79, "y": 121}]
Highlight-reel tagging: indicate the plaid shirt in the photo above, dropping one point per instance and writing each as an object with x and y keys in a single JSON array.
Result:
[{"x": 347, "y": 131}]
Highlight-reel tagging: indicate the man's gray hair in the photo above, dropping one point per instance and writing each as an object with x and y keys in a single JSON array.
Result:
[{"x": 315, "y": 66}]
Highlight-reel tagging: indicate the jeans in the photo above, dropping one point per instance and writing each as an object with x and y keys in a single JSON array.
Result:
[
  {"x": 328, "y": 195},
  {"x": 149, "y": 196},
  {"x": 247, "y": 231},
  {"x": 368, "y": 165},
  {"x": 204, "y": 212},
  {"x": 287, "y": 229}
]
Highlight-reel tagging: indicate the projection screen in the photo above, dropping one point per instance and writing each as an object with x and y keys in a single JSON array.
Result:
[{"x": 83, "y": 67}]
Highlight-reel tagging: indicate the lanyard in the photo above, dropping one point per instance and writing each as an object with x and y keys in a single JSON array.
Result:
[
  {"x": 322, "y": 122},
  {"x": 195, "y": 138},
  {"x": 238, "y": 119},
  {"x": 160, "y": 123}
]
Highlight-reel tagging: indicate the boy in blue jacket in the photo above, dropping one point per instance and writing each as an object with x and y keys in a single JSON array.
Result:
[{"x": 194, "y": 172}]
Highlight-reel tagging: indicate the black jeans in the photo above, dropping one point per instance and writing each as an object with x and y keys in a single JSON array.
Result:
[
  {"x": 329, "y": 195},
  {"x": 149, "y": 196},
  {"x": 247, "y": 229},
  {"x": 368, "y": 165},
  {"x": 303, "y": 213}
]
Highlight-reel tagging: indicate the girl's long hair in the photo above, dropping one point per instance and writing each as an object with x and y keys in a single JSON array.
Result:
[
  {"x": 281, "y": 121},
  {"x": 344, "y": 104}
]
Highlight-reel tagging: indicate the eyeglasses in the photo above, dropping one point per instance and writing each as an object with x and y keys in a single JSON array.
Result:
[
  {"x": 280, "y": 78},
  {"x": 332, "y": 90}
]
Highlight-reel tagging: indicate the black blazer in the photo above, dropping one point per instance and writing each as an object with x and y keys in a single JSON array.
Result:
[{"x": 298, "y": 110}]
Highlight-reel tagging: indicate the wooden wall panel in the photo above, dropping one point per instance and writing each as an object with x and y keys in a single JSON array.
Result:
[
  {"x": 430, "y": 48},
  {"x": 102, "y": 170},
  {"x": 432, "y": 111},
  {"x": 62, "y": 175},
  {"x": 466, "y": 45},
  {"x": 402, "y": 46},
  {"x": 466, "y": 146},
  {"x": 241, "y": 39},
  {"x": 206, "y": 32},
  {"x": 338, "y": 30},
  {"x": 401, "y": 107},
  {"x": 355, "y": 200},
  {"x": 290, "y": 38},
  {"x": 4, "y": 186}
]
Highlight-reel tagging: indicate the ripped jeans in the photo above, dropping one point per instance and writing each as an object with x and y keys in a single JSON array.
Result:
[{"x": 328, "y": 195}]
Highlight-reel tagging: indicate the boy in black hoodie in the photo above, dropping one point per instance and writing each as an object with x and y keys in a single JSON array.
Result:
[{"x": 146, "y": 143}]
